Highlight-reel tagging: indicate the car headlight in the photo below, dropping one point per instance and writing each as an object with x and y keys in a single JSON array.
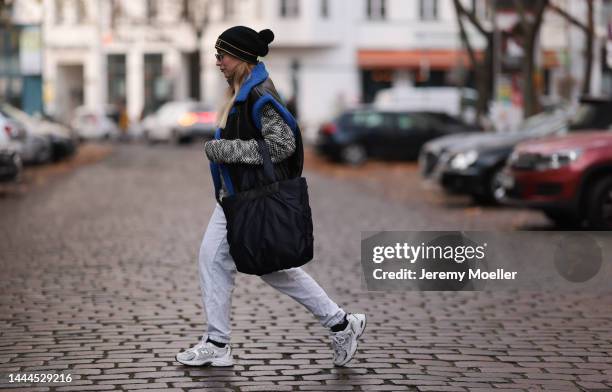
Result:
[
  {"x": 557, "y": 159},
  {"x": 463, "y": 160}
]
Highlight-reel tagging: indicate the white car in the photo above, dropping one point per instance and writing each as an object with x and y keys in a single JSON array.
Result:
[
  {"x": 95, "y": 123},
  {"x": 180, "y": 121},
  {"x": 33, "y": 147},
  {"x": 11, "y": 166},
  {"x": 59, "y": 137}
]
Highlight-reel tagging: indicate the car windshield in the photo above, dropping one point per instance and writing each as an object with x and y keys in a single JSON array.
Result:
[
  {"x": 536, "y": 120},
  {"x": 542, "y": 124},
  {"x": 584, "y": 116},
  {"x": 16, "y": 114}
]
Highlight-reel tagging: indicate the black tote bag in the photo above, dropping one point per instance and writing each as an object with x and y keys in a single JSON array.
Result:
[{"x": 269, "y": 228}]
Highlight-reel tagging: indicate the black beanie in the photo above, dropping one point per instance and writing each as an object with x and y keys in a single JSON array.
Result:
[{"x": 245, "y": 43}]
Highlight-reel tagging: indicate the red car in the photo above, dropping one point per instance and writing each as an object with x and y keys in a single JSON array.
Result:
[{"x": 568, "y": 177}]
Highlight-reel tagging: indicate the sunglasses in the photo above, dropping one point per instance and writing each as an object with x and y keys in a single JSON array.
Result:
[{"x": 219, "y": 56}]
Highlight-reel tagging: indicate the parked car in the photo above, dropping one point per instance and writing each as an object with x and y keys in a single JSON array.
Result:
[
  {"x": 33, "y": 148},
  {"x": 361, "y": 133},
  {"x": 569, "y": 178},
  {"x": 474, "y": 167},
  {"x": 10, "y": 161},
  {"x": 180, "y": 121},
  {"x": 59, "y": 137},
  {"x": 96, "y": 123}
]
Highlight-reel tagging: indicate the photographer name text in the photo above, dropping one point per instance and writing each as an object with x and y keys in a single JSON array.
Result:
[{"x": 423, "y": 274}]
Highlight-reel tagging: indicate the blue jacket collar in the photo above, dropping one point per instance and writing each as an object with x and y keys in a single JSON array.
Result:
[{"x": 257, "y": 76}]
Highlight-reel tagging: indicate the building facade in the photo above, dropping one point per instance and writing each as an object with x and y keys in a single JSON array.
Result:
[
  {"x": 330, "y": 54},
  {"x": 98, "y": 52}
]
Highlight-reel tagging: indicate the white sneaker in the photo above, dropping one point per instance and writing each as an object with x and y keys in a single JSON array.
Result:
[
  {"x": 206, "y": 354},
  {"x": 344, "y": 342}
]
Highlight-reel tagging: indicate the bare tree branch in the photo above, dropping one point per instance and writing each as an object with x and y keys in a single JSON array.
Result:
[
  {"x": 464, "y": 36},
  {"x": 471, "y": 16},
  {"x": 570, "y": 18}
]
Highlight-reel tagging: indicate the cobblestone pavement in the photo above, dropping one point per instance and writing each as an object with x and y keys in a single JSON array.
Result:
[{"x": 99, "y": 281}]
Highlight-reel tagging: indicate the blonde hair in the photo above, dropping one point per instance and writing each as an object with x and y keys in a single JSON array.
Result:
[{"x": 241, "y": 73}]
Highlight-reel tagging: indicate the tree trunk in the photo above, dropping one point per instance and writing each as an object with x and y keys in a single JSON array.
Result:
[
  {"x": 483, "y": 69},
  {"x": 485, "y": 78},
  {"x": 590, "y": 35},
  {"x": 529, "y": 95},
  {"x": 531, "y": 31}
]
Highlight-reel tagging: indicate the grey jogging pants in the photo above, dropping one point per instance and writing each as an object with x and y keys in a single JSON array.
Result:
[{"x": 217, "y": 272}]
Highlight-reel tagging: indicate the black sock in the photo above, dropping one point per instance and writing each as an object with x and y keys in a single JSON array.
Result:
[
  {"x": 340, "y": 326},
  {"x": 220, "y": 345}
]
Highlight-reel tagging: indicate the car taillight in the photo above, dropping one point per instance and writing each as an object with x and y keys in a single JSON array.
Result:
[
  {"x": 8, "y": 130},
  {"x": 207, "y": 117},
  {"x": 188, "y": 119},
  {"x": 328, "y": 129}
]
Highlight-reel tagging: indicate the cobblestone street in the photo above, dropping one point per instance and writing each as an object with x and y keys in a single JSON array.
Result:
[{"x": 99, "y": 281}]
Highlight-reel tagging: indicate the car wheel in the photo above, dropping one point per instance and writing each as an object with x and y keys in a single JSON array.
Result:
[
  {"x": 494, "y": 191},
  {"x": 599, "y": 214},
  {"x": 354, "y": 154},
  {"x": 498, "y": 192}
]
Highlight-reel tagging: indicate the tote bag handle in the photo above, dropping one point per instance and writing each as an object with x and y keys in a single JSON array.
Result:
[{"x": 267, "y": 161}]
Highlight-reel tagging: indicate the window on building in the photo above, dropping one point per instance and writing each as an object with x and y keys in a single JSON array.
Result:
[
  {"x": 154, "y": 86},
  {"x": 289, "y": 8},
  {"x": 428, "y": 9},
  {"x": 324, "y": 8},
  {"x": 229, "y": 9},
  {"x": 116, "y": 78},
  {"x": 10, "y": 72},
  {"x": 152, "y": 9},
  {"x": 376, "y": 9}
]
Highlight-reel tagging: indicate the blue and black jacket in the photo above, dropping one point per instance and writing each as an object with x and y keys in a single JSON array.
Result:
[{"x": 244, "y": 122}]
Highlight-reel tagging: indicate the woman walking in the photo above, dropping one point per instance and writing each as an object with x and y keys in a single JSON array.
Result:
[{"x": 253, "y": 110}]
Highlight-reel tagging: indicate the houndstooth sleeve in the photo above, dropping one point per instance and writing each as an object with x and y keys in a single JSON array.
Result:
[{"x": 275, "y": 131}]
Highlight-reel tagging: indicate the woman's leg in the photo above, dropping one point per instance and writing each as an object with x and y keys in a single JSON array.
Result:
[
  {"x": 217, "y": 273},
  {"x": 300, "y": 286}
]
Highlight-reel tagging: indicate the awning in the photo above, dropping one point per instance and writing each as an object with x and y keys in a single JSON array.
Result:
[
  {"x": 433, "y": 59},
  {"x": 441, "y": 59}
]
